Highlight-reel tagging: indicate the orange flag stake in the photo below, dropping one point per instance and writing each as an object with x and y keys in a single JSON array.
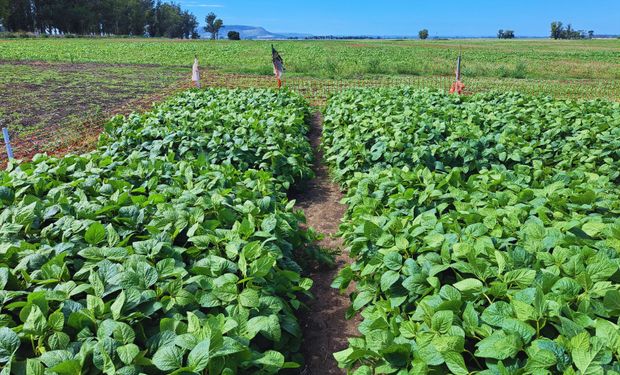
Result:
[
  {"x": 278, "y": 66},
  {"x": 458, "y": 87}
]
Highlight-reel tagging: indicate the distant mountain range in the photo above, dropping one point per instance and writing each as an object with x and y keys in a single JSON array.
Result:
[{"x": 254, "y": 33}]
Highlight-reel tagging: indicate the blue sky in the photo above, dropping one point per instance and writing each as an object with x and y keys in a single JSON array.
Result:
[{"x": 401, "y": 17}]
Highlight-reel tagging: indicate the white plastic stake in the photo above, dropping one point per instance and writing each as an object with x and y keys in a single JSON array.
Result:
[
  {"x": 196, "y": 73},
  {"x": 7, "y": 143}
]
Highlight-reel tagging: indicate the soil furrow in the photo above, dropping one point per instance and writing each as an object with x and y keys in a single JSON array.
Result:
[{"x": 325, "y": 327}]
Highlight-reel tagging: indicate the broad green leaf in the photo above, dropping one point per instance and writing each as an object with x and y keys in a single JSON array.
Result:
[
  {"x": 524, "y": 330},
  {"x": 271, "y": 360},
  {"x": 68, "y": 367},
  {"x": 393, "y": 261},
  {"x": 127, "y": 353},
  {"x": 168, "y": 358},
  {"x": 455, "y": 363},
  {"x": 249, "y": 298},
  {"x": 499, "y": 346},
  {"x": 612, "y": 301},
  {"x": 56, "y": 321},
  {"x": 585, "y": 356},
  {"x": 442, "y": 321},
  {"x": 9, "y": 343},
  {"x": 469, "y": 285},
  {"x": 593, "y": 229},
  {"x": 362, "y": 299},
  {"x": 117, "y": 306},
  {"x": 4, "y": 277},
  {"x": 95, "y": 233},
  {"x": 34, "y": 367},
  {"x": 198, "y": 358},
  {"x": 523, "y": 278},
  {"x": 388, "y": 279},
  {"x": 267, "y": 325},
  {"x": 497, "y": 313},
  {"x": 36, "y": 323}
]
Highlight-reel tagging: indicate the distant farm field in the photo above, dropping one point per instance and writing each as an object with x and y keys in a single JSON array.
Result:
[
  {"x": 536, "y": 59},
  {"x": 57, "y": 92}
]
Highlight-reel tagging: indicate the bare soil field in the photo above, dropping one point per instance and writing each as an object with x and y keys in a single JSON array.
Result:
[{"x": 57, "y": 107}]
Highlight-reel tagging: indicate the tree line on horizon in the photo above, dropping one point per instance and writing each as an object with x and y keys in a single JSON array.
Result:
[
  {"x": 154, "y": 18},
  {"x": 99, "y": 17},
  {"x": 558, "y": 31}
]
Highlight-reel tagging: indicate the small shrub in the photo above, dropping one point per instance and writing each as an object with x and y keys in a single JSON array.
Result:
[
  {"x": 375, "y": 66},
  {"x": 519, "y": 71},
  {"x": 406, "y": 69},
  {"x": 331, "y": 68}
]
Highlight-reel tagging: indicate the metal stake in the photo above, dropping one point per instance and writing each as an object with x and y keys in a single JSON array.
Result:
[{"x": 7, "y": 143}]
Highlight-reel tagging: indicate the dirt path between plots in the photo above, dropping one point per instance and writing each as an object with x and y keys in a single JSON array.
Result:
[{"x": 325, "y": 327}]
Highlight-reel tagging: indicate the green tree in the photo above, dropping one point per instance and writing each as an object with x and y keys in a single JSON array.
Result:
[
  {"x": 505, "y": 34},
  {"x": 135, "y": 18},
  {"x": 234, "y": 35},
  {"x": 556, "y": 30},
  {"x": 170, "y": 21},
  {"x": 99, "y": 17},
  {"x": 4, "y": 11},
  {"x": 20, "y": 16},
  {"x": 214, "y": 25},
  {"x": 423, "y": 34},
  {"x": 189, "y": 25}
]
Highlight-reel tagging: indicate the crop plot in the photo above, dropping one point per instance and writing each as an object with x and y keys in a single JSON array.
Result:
[
  {"x": 484, "y": 231},
  {"x": 143, "y": 256},
  {"x": 442, "y": 132}
]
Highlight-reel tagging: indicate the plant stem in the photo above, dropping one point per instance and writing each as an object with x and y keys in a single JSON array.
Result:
[{"x": 474, "y": 358}]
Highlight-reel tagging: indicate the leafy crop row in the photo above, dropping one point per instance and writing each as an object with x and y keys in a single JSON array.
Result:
[
  {"x": 403, "y": 127},
  {"x": 143, "y": 258},
  {"x": 468, "y": 261},
  {"x": 256, "y": 129}
]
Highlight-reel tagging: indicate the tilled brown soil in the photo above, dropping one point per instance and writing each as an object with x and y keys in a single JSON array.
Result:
[
  {"x": 61, "y": 107},
  {"x": 325, "y": 327}
]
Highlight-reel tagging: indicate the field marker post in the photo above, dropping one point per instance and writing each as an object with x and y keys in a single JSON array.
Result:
[
  {"x": 7, "y": 143},
  {"x": 196, "y": 72}
]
